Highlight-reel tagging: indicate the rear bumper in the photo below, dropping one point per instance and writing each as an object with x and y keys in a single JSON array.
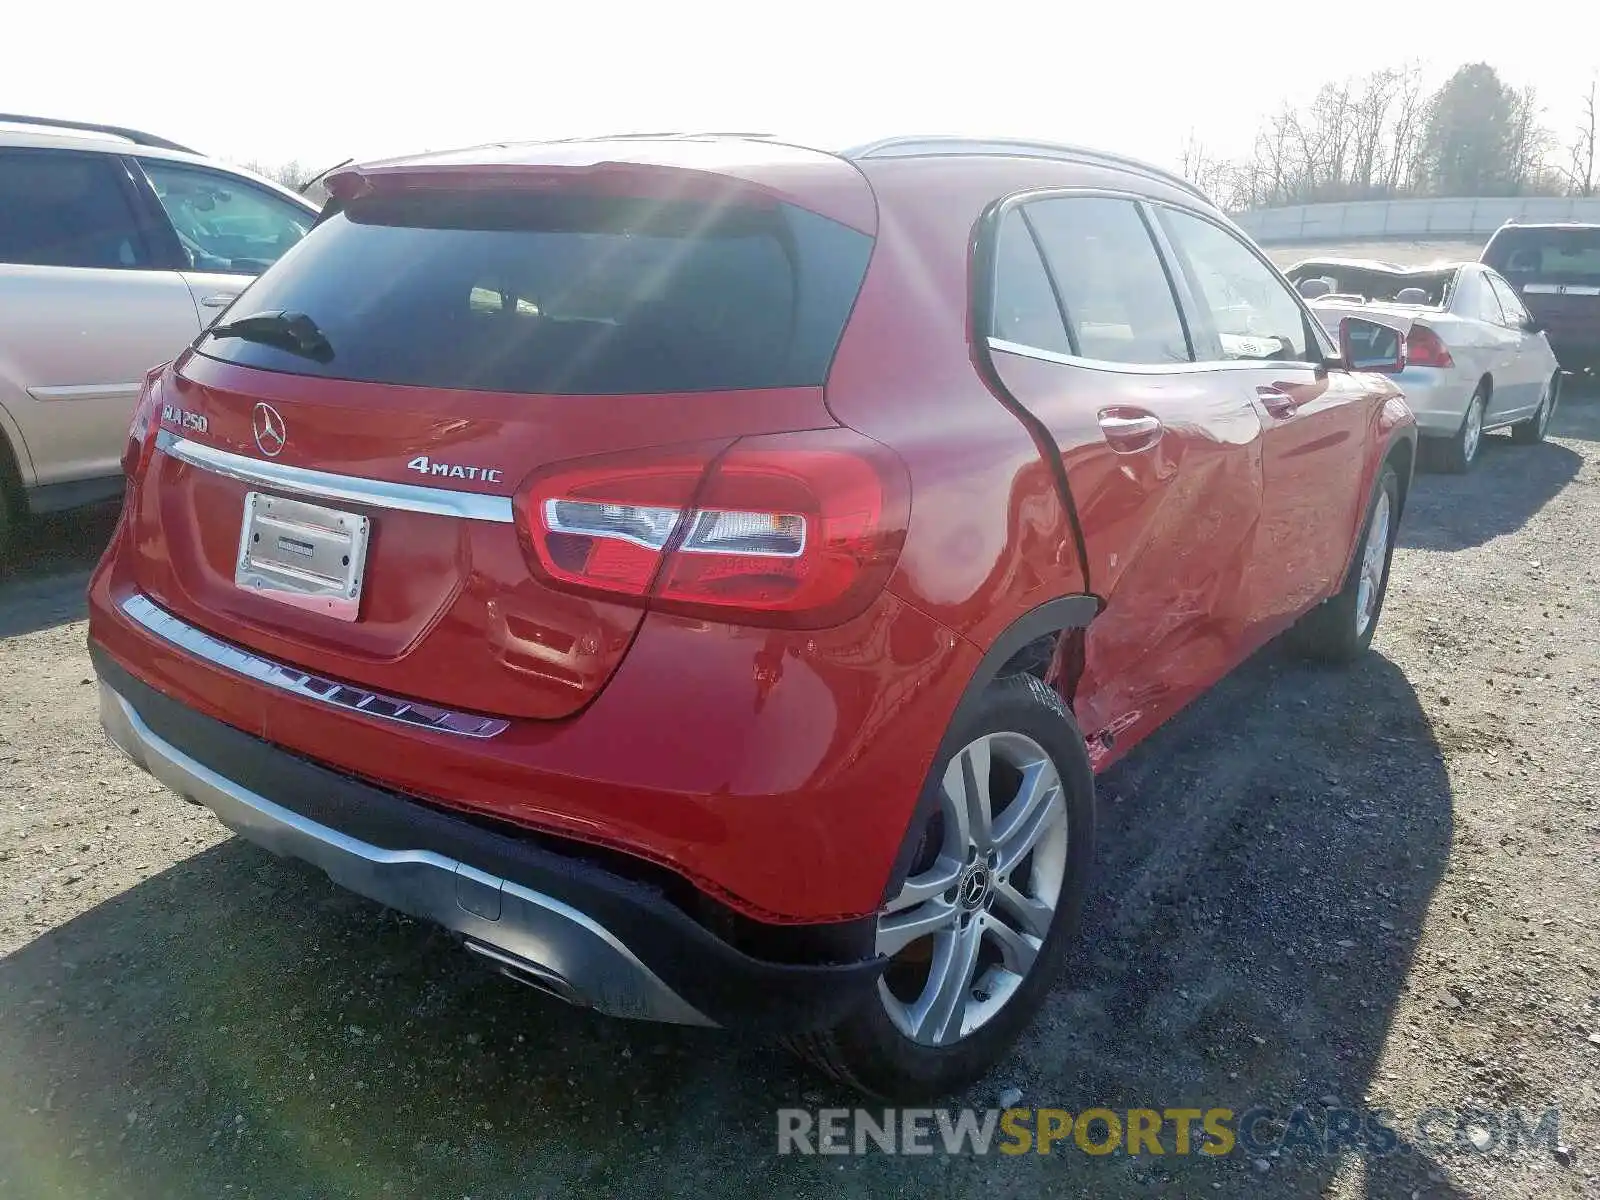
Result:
[
  {"x": 558, "y": 922},
  {"x": 1437, "y": 397}
]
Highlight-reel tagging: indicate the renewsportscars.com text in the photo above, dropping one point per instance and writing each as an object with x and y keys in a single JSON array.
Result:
[{"x": 1257, "y": 1130}]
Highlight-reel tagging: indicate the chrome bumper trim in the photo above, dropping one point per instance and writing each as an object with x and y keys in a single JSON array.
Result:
[
  {"x": 560, "y": 948},
  {"x": 324, "y": 485},
  {"x": 158, "y": 621}
]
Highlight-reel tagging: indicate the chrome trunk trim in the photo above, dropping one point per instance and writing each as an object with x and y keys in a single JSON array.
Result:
[
  {"x": 324, "y": 485},
  {"x": 156, "y": 620}
]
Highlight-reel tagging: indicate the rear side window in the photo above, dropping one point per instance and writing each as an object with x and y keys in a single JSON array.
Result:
[
  {"x": 1515, "y": 314},
  {"x": 1476, "y": 299},
  {"x": 562, "y": 294},
  {"x": 66, "y": 209},
  {"x": 1253, "y": 311},
  {"x": 1553, "y": 256},
  {"x": 1025, "y": 309},
  {"x": 1118, "y": 300}
]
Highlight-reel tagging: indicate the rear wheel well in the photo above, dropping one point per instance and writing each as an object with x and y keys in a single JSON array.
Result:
[
  {"x": 1402, "y": 457},
  {"x": 1486, "y": 386}
]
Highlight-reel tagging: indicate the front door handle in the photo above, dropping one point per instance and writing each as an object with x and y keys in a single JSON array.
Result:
[
  {"x": 1279, "y": 403},
  {"x": 218, "y": 301},
  {"x": 1129, "y": 430}
]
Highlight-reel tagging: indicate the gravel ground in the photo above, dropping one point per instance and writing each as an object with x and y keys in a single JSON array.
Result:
[{"x": 1375, "y": 885}]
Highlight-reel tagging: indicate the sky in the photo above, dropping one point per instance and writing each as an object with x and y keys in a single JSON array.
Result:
[{"x": 322, "y": 82}]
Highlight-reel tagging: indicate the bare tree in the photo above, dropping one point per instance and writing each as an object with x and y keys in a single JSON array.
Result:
[
  {"x": 1404, "y": 136},
  {"x": 1387, "y": 134},
  {"x": 1529, "y": 146},
  {"x": 1579, "y": 171},
  {"x": 291, "y": 174}
]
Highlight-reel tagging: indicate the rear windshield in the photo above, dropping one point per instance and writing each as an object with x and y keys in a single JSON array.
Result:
[
  {"x": 560, "y": 294},
  {"x": 1430, "y": 289},
  {"x": 1546, "y": 255}
]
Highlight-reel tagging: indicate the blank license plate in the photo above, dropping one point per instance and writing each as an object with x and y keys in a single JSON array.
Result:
[{"x": 303, "y": 555}]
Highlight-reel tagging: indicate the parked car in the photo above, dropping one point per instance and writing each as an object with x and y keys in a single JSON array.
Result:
[
  {"x": 1475, "y": 359},
  {"x": 115, "y": 247},
  {"x": 706, "y": 575},
  {"x": 1555, "y": 269}
]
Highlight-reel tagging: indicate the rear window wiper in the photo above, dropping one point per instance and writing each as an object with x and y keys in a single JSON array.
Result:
[{"x": 281, "y": 329}]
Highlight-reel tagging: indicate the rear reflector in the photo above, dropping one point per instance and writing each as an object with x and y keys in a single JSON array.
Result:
[{"x": 795, "y": 529}]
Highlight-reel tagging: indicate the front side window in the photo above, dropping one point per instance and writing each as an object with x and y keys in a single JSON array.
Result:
[
  {"x": 1118, "y": 300},
  {"x": 67, "y": 209},
  {"x": 1252, "y": 311},
  {"x": 224, "y": 223}
]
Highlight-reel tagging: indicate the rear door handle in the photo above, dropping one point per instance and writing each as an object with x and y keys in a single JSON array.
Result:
[
  {"x": 1129, "y": 431},
  {"x": 1280, "y": 404}
]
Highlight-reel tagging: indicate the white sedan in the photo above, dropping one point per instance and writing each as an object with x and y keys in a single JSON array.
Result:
[{"x": 1474, "y": 359}]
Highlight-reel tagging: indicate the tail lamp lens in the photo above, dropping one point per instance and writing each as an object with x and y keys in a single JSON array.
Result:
[
  {"x": 795, "y": 529},
  {"x": 142, "y": 429},
  {"x": 1424, "y": 348}
]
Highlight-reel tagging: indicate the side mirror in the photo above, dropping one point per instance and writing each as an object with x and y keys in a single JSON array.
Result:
[
  {"x": 1533, "y": 325},
  {"x": 1368, "y": 346}
]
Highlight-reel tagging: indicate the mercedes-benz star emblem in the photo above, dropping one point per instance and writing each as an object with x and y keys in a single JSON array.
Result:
[{"x": 269, "y": 429}]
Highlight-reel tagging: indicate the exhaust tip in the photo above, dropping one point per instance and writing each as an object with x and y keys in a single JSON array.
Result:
[{"x": 530, "y": 974}]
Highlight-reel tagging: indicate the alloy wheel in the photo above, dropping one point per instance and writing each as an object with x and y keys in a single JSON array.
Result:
[
  {"x": 1373, "y": 555},
  {"x": 981, "y": 898},
  {"x": 1472, "y": 434}
]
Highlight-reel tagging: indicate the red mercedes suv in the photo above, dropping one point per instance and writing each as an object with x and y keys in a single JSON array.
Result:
[{"x": 706, "y": 573}]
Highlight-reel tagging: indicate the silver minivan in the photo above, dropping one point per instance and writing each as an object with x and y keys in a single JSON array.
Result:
[{"x": 116, "y": 248}]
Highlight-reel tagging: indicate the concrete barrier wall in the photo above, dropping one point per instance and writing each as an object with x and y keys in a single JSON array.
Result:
[{"x": 1443, "y": 218}]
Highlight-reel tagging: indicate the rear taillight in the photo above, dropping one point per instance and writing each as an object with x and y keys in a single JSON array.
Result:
[
  {"x": 794, "y": 529},
  {"x": 1424, "y": 349},
  {"x": 144, "y": 427}
]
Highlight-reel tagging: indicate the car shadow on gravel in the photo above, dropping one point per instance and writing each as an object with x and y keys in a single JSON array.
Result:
[
  {"x": 43, "y": 577},
  {"x": 1506, "y": 486},
  {"x": 236, "y": 1025}
]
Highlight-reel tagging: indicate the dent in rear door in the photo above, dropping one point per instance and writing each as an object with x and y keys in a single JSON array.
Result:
[{"x": 1164, "y": 465}]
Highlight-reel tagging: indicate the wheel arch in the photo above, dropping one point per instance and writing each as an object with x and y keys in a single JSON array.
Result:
[
  {"x": 1402, "y": 456},
  {"x": 13, "y": 486},
  {"x": 1016, "y": 651}
]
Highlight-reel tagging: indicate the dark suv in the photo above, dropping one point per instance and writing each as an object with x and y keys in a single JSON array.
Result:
[
  {"x": 706, "y": 573},
  {"x": 1556, "y": 271}
]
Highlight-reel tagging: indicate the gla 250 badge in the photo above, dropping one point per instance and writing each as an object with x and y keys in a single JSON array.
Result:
[
  {"x": 427, "y": 466},
  {"x": 192, "y": 421}
]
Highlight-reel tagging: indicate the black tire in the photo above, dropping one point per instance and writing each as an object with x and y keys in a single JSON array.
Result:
[
  {"x": 10, "y": 507},
  {"x": 1332, "y": 632},
  {"x": 1455, "y": 455},
  {"x": 1531, "y": 432},
  {"x": 868, "y": 1050}
]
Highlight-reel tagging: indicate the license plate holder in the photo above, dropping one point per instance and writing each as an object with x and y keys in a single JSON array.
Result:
[{"x": 303, "y": 555}]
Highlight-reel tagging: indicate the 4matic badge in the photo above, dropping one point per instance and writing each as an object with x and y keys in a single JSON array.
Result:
[{"x": 427, "y": 466}]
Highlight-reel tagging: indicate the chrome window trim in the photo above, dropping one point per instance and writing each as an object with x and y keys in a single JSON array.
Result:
[
  {"x": 1182, "y": 296},
  {"x": 176, "y": 632},
  {"x": 1122, "y": 368},
  {"x": 324, "y": 485}
]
